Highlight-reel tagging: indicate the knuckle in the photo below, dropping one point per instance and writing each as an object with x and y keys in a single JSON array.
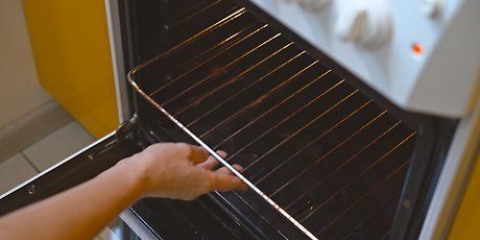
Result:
[
  {"x": 155, "y": 148},
  {"x": 182, "y": 145},
  {"x": 184, "y": 148}
]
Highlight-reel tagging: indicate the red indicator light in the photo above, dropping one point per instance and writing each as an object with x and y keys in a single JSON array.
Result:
[{"x": 418, "y": 49}]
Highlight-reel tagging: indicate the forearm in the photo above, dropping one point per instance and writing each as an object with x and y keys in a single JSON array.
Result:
[{"x": 79, "y": 213}]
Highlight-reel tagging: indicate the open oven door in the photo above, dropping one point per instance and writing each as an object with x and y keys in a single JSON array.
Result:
[
  {"x": 79, "y": 168},
  {"x": 76, "y": 169}
]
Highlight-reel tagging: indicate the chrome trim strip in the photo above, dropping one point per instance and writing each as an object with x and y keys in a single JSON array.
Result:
[
  {"x": 118, "y": 64},
  {"x": 136, "y": 226}
]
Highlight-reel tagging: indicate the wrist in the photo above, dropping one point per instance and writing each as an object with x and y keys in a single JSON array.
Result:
[{"x": 136, "y": 172}]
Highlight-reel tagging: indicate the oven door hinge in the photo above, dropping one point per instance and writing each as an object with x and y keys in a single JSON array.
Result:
[{"x": 131, "y": 137}]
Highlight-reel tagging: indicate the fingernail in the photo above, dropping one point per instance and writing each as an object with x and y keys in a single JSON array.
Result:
[{"x": 238, "y": 167}]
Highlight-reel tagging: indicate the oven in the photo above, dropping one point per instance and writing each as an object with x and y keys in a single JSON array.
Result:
[{"x": 351, "y": 118}]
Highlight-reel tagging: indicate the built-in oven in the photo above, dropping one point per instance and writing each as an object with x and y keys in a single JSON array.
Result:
[{"x": 350, "y": 118}]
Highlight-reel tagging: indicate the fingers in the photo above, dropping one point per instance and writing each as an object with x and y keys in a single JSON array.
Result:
[
  {"x": 211, "y": 162},
  {"x": 222, "y": 182},
  {"x": 226, "y": 171},
  {"x": 222, "y": 179},
  {"x": 196, "y": 154}
]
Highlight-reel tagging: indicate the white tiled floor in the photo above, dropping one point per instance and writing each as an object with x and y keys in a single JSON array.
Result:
[
  {"x": 58, "y": 145},
  {"x": 43, "y": 154},
  {"x": 15, "y": 170}
]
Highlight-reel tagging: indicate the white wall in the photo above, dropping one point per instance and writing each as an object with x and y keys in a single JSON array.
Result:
[{"x": 20, "y": 92}]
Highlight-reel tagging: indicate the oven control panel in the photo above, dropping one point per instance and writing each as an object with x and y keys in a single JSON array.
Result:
[{"x": 424, "y": 55}]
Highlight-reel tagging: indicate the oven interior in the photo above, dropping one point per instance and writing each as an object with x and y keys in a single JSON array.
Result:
[
  {"x": 341, "y": 160},
  {"x": 336, "y": 156}
]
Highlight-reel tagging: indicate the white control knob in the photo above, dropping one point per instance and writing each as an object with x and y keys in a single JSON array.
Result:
[
  {"x": 431, "y": 8},
  {"x": 313, "y": 5},
  {"x": 364, "y": 22},
  {"x": 351, "y": 25}
]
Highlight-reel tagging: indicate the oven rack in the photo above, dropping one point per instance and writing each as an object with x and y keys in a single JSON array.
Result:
[
  {"x": 131, "y": 78},
  {"x": 240, "y": 76}
]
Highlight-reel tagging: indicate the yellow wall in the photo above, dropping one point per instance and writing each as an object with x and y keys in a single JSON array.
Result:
[
  {"x": 72, "y": 56},
  {"x": 467, "y": 223}
]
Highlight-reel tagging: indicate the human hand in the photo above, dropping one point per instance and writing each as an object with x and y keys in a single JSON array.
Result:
[{"x": 181, "y": 171}]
